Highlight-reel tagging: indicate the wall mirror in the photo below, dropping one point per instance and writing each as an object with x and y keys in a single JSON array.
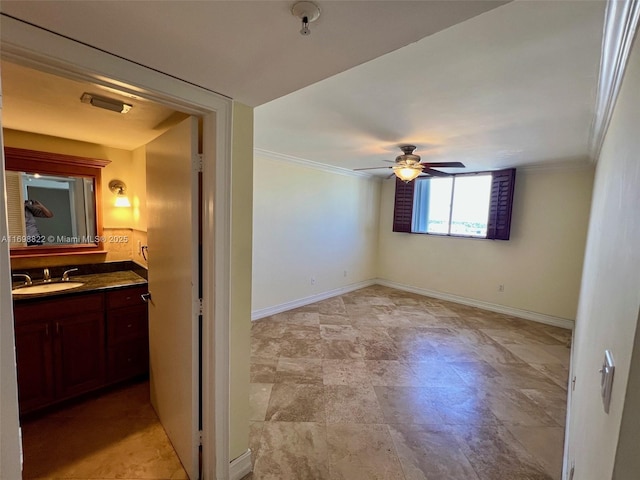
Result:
[{"x": 53, "y": 203}]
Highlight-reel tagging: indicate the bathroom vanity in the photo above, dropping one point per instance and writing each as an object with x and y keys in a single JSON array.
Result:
[{"x": 72, "y": 342}]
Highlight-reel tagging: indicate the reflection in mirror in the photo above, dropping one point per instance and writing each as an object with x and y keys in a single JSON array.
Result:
[
  {"x": 52, "y": 202},
  {"x": 58, "y": 209}
]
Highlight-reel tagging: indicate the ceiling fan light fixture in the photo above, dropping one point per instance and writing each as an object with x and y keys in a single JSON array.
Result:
[
  {"x": 406, "y": 173},
  {"x": 409, "y": 166}
]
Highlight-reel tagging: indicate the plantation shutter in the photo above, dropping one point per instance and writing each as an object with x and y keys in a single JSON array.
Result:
[
  {"x": 15, "y": 209},
  {"x": 403, "y": 210},
  {"x": 501, "y": 204}
]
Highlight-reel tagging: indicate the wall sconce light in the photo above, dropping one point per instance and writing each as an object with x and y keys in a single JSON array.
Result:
[{"x": 119, "y": 188}]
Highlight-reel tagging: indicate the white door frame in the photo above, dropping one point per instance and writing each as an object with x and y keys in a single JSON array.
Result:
[{"x": 44, "y": 50}]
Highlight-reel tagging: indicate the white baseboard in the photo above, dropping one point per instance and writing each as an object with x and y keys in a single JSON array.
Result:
[
  {"x": 240, "y": 466},
  {"x": 493, "y": 307},
  {"x": 283, "y": 307}
]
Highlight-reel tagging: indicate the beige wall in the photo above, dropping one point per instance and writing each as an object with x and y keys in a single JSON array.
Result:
[
  {"x": 241, "y": 227},
  {"x": 540, "y": 266},
  {"x": 310, "y": 223},
  {"x": 610, "y": 294},
  {"x": 128, "y": 166},
  {"x": 137, "y": 182},
  {"x": 627, "y": 463}
]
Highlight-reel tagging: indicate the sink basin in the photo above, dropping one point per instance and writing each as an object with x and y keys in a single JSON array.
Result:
[{"x": 46, "y": 288}]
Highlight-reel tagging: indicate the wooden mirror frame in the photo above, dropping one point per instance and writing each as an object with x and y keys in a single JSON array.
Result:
[{"x": 23, "y": 160}]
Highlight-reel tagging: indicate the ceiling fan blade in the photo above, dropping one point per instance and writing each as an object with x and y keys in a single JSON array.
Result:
[
  {"x": 443, "y": 164},
  {"x": 435, "y": 173},
  {"x": 370, "y": 168}
]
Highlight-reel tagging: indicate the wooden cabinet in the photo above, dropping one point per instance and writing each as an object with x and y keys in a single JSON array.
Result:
[
  {"x": 127, "y": 334},
  {"x": 79, "y": 354},
  {"x": 59, "y": 349},
  {"x": 72, "y": 345},
  {"x": 34, "y": 358}
]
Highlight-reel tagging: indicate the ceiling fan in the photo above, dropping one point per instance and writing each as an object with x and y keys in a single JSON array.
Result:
[{"x": 407, "y": 166}]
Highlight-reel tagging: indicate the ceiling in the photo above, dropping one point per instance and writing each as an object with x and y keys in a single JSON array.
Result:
[
  {"x": 248, "y": 50},
  {"x": 512, "y": 87},
  {"x": 39, "y": 102},
  {"x": 490, "y": 84}
]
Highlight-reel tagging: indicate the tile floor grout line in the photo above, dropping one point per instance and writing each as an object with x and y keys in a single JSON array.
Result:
[{"x": 471, "y": 349}]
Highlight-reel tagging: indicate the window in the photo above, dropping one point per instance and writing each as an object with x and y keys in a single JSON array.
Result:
[{"x": 470, "y": 205}]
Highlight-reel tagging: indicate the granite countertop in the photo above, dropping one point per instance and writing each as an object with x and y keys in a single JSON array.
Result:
[{"x": 92, "y": 283}]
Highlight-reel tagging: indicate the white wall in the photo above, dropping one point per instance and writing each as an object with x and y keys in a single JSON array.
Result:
[
  {"x": 610, "y": 295},
  {"x": 310, "y": 223},
  {"x": 540, "y": 266}
]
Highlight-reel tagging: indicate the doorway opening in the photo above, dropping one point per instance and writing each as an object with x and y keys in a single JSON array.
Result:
[
  {"x": 148, "y": 224},
  {"x": 43, "y": 50}
]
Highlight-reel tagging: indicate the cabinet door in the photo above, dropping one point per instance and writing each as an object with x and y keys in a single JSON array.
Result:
[
  {"x": 79, "y": 351},
  {"x": 35, "y": 370}
]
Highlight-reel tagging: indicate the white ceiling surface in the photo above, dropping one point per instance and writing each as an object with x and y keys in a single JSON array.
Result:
[
  {"x": 248, "y": 50},
  {"x": 512, "y": 87},
  {"x": 42, "y": 103}
]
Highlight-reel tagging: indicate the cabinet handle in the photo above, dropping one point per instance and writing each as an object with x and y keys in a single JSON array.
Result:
[
  {"x": 146, "y": 297},
  {"x": 57, "y": 328},
  {"x": 130, "y": 325},
  {"x": 46, "y": 330}
]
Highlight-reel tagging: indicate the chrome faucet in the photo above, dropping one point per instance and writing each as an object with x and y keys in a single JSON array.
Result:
[
  {"x": 47, "y": 276},
  {"x": 65, "y": 275},
  {"x": 27, "y": 278}
]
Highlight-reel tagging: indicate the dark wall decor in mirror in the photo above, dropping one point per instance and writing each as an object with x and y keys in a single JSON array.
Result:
[{"x": 53, "y": 202}]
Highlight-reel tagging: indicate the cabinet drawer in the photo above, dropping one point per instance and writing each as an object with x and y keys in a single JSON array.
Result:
[
  {"x": 59, "y": 308},
  {"x": 127, "y": 323},
  {"x": 126, "y": 297},
  {"x": 128, "y": 359}
]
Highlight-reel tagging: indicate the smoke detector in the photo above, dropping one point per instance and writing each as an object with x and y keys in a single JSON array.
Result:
[{"x": 307, "y": 12}]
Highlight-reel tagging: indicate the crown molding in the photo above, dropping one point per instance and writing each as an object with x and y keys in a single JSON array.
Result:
[
  {"x": 620, "y": 26},
  {"x": 281, "y": 157},
  {"x": 561, "y": 166}
]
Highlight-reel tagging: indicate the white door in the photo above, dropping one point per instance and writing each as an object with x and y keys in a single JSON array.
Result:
[{"x": 172, "y": 196}]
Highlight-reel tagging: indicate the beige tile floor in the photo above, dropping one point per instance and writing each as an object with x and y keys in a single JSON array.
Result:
[
  {"x": 117, "y": 435},
  {"x": 384, "y": 384},
  {"x": 375, "y": 384}
]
